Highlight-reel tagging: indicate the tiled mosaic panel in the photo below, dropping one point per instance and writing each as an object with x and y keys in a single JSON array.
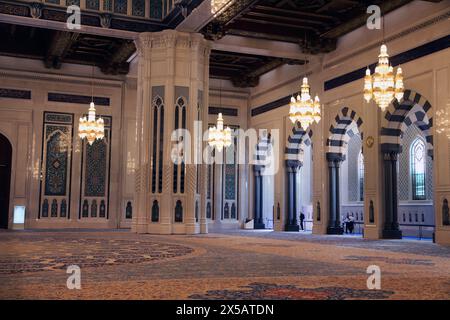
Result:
[
  {"x": 230, "y": 169},
  {"x": 59, "y": 118},
  {"x": 96, "y": 158},
  {"x": 354, "y": 148},
  {"x": 230, "y": 174},
  {"x": 230, "y": 181},
  {"x": 404, "y": 178},
  {"x": 56, "y": 160},
  {"x": 57, "y": 157},
  {"x": 138, "y": 8}
]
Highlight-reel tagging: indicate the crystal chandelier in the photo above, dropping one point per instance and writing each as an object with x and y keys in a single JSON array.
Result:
[
  {"x": 303, "y": 109},
  {"x": 218, "y": 137},
  {"x": 383, "y": 86},
  {"x": 443, "y": 121},
  {"x": 89, "y": 127}
]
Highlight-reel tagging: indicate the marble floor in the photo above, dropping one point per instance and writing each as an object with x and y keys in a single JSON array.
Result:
[{"x": 232, "y": 265}]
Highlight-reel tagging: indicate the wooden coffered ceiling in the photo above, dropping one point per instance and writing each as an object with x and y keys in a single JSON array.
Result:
[
  {"x": 313, "y": 24},
  {"x": 244, "y": 70},
  {"x": 56, "y": 47}
]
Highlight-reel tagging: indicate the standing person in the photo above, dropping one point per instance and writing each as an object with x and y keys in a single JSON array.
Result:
[
  {"x": 302, "y": 219},
  {"x": 351, "y": 224},
  {"x": 347, "y": 223}
]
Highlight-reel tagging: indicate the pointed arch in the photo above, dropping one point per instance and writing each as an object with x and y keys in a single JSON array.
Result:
[
  {"x": 262, "y": 151},
  {"x": 412, "y": 109},
  {"x": 295, "y": 146},
  {"x": 346, "y": 124}
]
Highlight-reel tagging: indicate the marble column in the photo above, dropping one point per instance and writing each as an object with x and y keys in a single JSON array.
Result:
[
  {"x": 172, "y": 65},
  {"x": 334, "y": 222},
  {"x": 391, "y": 228},
  {"x": 258, "y": 202},
  {"x": 291, "y": 223}
]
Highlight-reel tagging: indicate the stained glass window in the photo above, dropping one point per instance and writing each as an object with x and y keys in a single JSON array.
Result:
[
  {"x": 156, "y": 9},
  {"x": 120, "y": 6},
  {"x": 138, "y": 8},
  {"x": 72, "y": 2},
  {"x": 93, "y": 4},
  {"x": 418, "y": 169},
  {"x": 107, "y": 5}
]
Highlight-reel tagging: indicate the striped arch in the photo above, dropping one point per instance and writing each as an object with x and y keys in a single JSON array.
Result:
[
  {"x": 347, "y": 124},
  {"x": 413, "y": 109},
  {"x": 262, "y": 152},
  {"x": 295, "y": 146}
]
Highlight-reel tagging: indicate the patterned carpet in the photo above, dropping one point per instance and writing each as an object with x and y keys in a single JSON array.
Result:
[{"x": 235, "y": 265}]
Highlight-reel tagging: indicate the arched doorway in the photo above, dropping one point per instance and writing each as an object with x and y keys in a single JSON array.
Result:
[
  {"x": 263, "y": 178},
  {"x": 407, "y": 147},
  {"x": 5, "y": 177},
  {"x": 298, "y": 161},
  {"x": 352, "y": 184},
  {"x": 346, "y": 129}
]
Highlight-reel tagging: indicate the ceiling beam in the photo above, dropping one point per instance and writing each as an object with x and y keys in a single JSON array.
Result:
[
  {"x": 280, "y": 24},
  {"x": 240, "y": 44},
  {"x": 291, "y": 18},
  {"x": 59, "y": 46},
  {"x": 299, "y": 14}
]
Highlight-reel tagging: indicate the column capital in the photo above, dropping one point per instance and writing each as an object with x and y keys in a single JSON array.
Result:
[
  {"x": 172, "y": 39},
  {"x": 334, "y": 159},
  {"x": 293, "y": 165},
  {"x": 390, "y": 156}
]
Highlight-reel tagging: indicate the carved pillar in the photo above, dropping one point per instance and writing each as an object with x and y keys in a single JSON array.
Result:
[
  {"x": 174, "y": 66},
  {"x": 391, "y": 228},
  {"x": 334, "y": 222}
]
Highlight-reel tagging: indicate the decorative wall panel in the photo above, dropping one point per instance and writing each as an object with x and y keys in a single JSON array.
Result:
[
  {"x": 95, "y": 164},
  {"x": 76, "y": 98},
  {"x": 56, "y": 165},
  {"x": 15, "y": 94},
  {"x": 230, "y": 180}
]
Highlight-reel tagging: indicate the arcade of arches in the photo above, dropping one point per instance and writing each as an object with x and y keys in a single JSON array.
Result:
[{"x": 388, "y": 171}]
